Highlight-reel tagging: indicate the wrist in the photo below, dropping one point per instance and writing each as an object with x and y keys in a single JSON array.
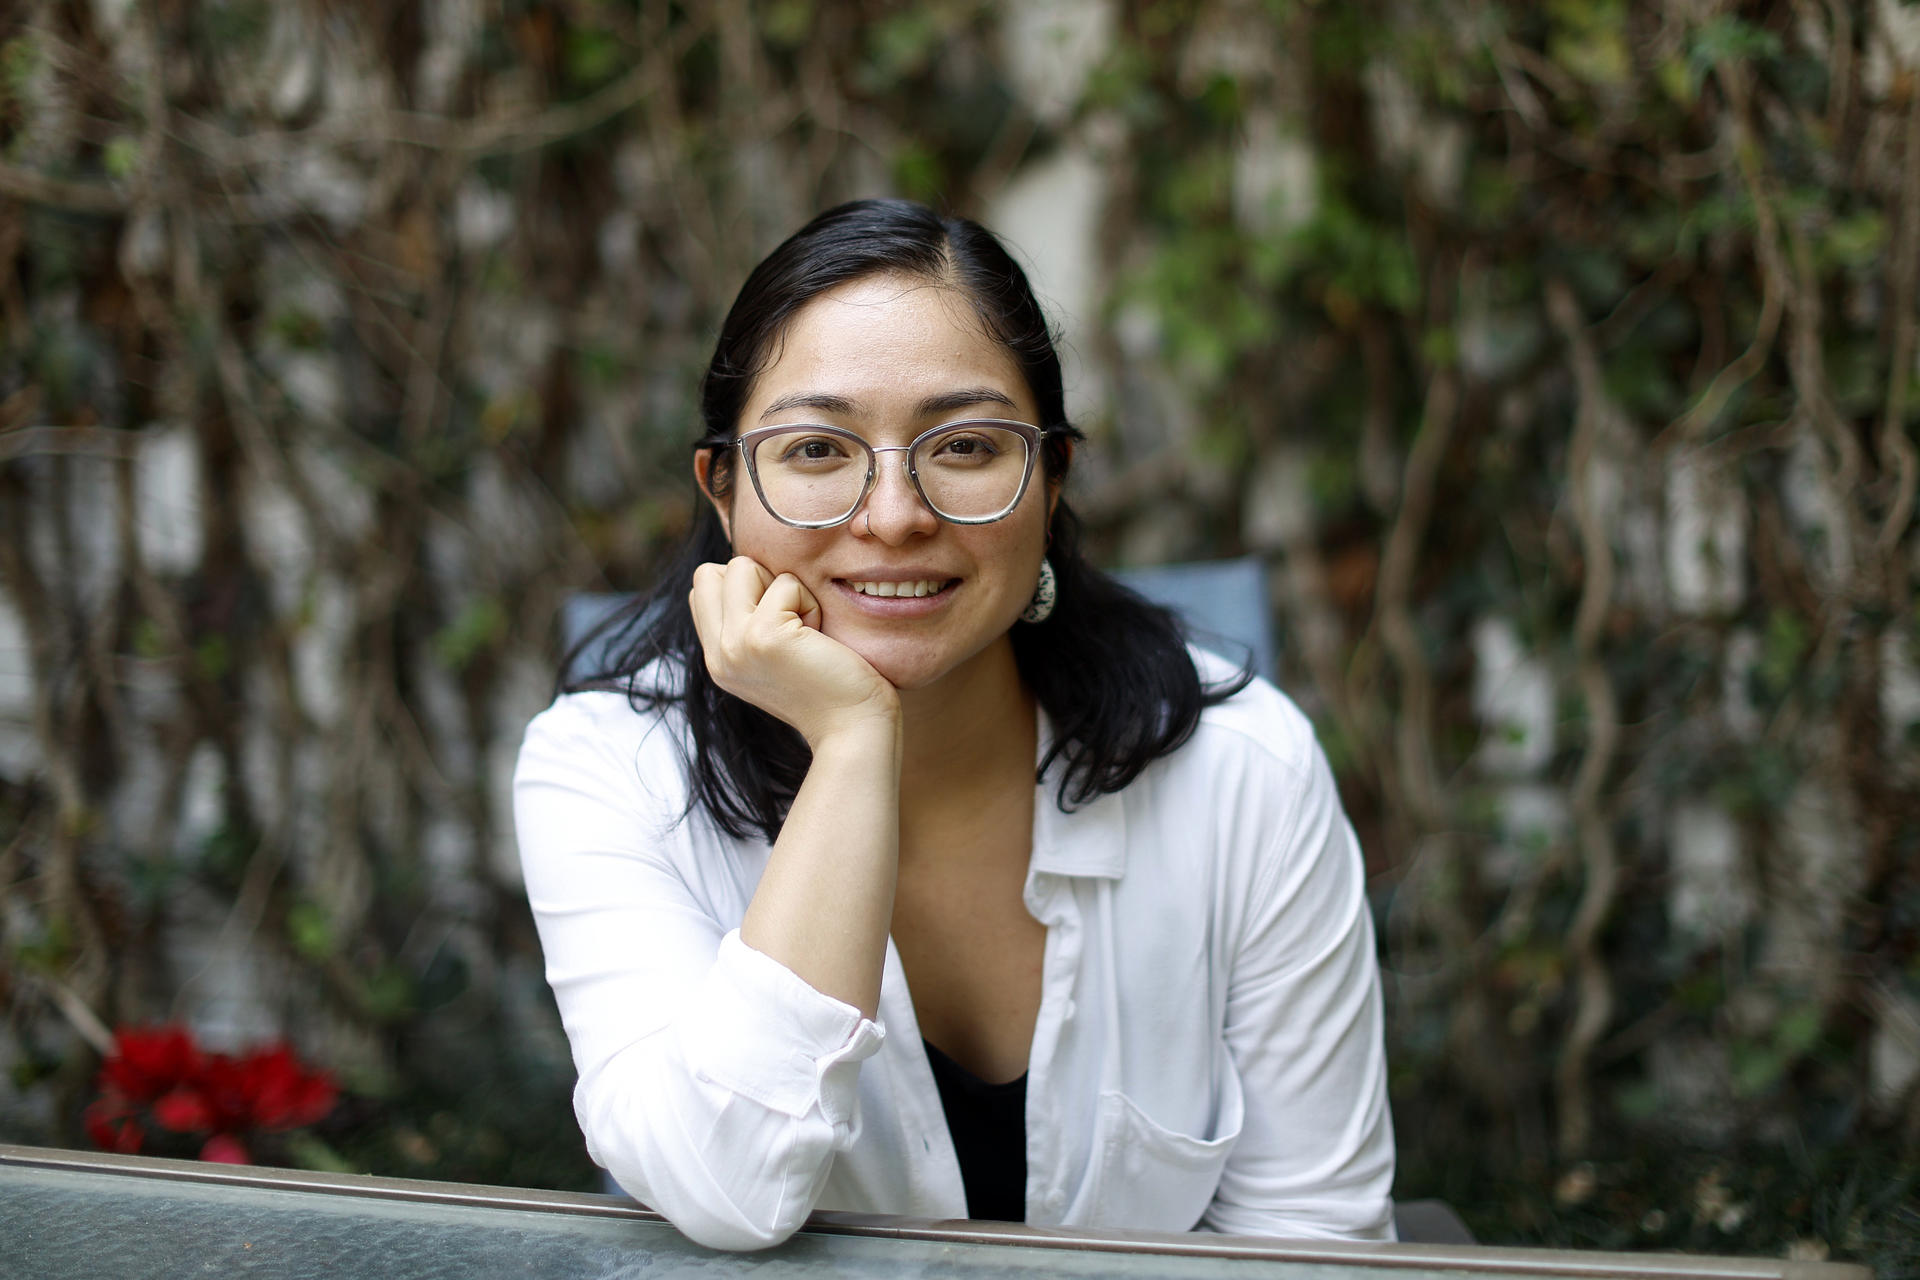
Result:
[{"x": 866, "y": 734}]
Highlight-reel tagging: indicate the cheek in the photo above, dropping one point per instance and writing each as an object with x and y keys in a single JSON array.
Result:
[
  {"x": 1019, "y": 555},
  {"x": 750, "y": 534},
  {"x": 779, "y": 548}
]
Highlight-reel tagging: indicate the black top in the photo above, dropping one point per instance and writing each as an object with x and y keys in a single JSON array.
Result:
[{"x": 989, "y": 1127}]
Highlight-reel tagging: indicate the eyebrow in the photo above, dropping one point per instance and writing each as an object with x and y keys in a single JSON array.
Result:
[{"x": 944, "y": 402}]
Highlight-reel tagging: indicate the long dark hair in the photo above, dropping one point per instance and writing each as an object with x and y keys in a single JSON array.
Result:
[{"x": 1111, "y": 670}]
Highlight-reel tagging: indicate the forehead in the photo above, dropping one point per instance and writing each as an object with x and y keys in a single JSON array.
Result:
[{"x": 883, "y": 341}]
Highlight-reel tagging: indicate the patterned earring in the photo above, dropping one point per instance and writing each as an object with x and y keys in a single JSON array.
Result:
[{"x": 1044, "y": 594}]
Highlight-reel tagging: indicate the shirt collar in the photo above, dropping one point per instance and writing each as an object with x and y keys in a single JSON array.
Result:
[{"x": 1091, "y": 840}]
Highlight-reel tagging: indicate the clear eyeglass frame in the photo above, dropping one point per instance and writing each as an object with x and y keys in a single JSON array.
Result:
[{"x": 1029, "y": 433}]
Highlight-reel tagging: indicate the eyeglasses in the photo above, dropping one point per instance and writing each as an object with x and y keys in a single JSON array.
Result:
[{"x": 811, "y": 476}]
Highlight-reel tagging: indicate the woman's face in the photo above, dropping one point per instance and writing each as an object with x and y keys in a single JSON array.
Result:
[{"x": 887, "y": 357}]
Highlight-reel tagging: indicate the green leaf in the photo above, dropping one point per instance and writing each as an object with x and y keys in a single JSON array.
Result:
[
  {"x": 19, "y": 59},
  {"x": 1639, "y": 1100},
  {"x": 1856, "y": 241},
  {"x": 1730, "y": 39},
  {"x": 918, "y": 173},
  {"x": 309, "y": 1152},
  {"x": 1221, "y": 99},
  {"x": 1589, "y": 39},
  {"x": 1755, "y": 1068},
  {"x": 224, "y": 853},
  {"x": 1797, "y": 1031},
  {"x": 146, "y": 639},
  {"x": 786, "y": 23},
  {"x": 899, "y": 47},
  {"x": 1786, "y": 641},
  {"x": 121, "y": 157},
  {"x": 212, "y": 658},
  {"x": 478, "y": 627},
  {"x": 1332, "y": 480},
  {"x": 389, "y": 994},
  {"x": 310, "y": 930},
  {"x": 1701, "y": 993},
  {"x": 1679, "y": 81},
  {"x": 593, "y": 56}
]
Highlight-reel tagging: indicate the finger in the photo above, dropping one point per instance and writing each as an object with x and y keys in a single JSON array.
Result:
[
  {"x": 786, "y": 595},
  {"x": 704, "y": 600},
  {"x": 809, "y": 609},
  {"x": 746, "y": 581}
]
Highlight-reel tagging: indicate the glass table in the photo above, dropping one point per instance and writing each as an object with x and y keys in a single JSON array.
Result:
[{"x": 75, "y": 1213}]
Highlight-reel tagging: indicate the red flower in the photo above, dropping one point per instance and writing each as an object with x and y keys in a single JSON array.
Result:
[
  {"x": 281, "y": 1094},
  {"x": 161, "y": 1075},
  {"x": 184, "y": 1110},
  {"x": 224, "y": 1148},
  {"x": 111, "y": 1125},
  {"x": 145, "y": 1064}
]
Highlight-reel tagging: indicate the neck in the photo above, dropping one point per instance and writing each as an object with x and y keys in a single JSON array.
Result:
[{"x": 973, "y": 726}]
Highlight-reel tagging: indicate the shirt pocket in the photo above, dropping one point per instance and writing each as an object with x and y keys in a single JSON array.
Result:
[{"x": 1147, "y": 1177}]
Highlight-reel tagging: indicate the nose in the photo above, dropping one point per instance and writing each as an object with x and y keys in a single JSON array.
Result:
[{"x": 893, "y": 511}]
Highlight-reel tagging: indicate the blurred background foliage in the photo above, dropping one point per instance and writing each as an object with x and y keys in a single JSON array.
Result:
[{"x": 1556, "y": 357}]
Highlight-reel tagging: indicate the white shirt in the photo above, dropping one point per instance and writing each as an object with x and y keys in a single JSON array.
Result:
[{"x": 1208, "y": 1046}]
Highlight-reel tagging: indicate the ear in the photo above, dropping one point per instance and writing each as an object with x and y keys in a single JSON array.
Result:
[
  {"x": 1056, "y": 483},
  {"x": 703, "y": 476}
]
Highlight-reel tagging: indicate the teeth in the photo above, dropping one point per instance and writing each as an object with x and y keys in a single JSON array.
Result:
[{"x": 924, "y": 587}]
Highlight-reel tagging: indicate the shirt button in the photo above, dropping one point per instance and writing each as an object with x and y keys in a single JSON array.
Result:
[
  {"x": 1056, "y": 1200},
  {"x": 1068, "y": 1009}
]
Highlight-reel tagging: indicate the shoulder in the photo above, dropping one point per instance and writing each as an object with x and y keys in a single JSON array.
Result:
[
  {"x": 1251, "y": 788},
  {"x": 604, "y": 733},
  {"x": 1259, "y": 729}
]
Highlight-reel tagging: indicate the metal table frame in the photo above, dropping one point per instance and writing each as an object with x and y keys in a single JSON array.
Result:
[{"x": 1481, "y": 1260}]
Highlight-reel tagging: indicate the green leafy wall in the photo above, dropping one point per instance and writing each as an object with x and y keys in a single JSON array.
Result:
[{"x": 1557, "y": 358}]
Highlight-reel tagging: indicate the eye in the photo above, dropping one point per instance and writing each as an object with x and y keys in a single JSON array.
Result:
[
  {"x": 966, "y": 445},
  {"x": 813, "y": 449}
]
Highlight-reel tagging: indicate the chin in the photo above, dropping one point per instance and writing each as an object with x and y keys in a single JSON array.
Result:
[
  {"x": 906, "y": 665},
  {"x": 904, "y": 671}
]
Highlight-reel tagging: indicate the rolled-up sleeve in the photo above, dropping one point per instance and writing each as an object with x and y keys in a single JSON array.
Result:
[{"x": 715, "y": 1084}]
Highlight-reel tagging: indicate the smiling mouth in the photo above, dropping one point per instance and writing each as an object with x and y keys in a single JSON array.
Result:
[{"x": 922, "y": 587}]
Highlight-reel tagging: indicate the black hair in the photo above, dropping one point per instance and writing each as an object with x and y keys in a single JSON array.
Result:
[{"x": 1110, "y": 669}]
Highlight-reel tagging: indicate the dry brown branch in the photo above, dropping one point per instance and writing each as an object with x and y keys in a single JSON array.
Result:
[
  {"x": 79, "y": 1016},
  {"x": 1689, "y": 425},
  {"x": 56, "y": 725},
  {"x": 1896, "y": 449},
  {"x": 498, "y": 135},
  {"x": 1378, "y": 468},
  {"x": 29, "y": 187},
  {"x": 1806, "y": 366},
  {"x": 1593, "y": 823},
  {"x": 1393, "y": 618},
  {"x": 1839, "y": 68},
  {"x": 1639, "y": 301},
  {"x": 1790, "y": 274},
  {"x": 262, "y": 450},
  {"x": 90, "y": 442},
  {"x": 470, "y": 139},
  {"x": 1508, "y": 61}
]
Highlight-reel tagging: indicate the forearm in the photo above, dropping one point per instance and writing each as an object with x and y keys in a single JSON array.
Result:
[
  {"x": 825, "y": 901},
  {"x": 715, "y": 1083},
  {"x": 728, "y": 1119}
]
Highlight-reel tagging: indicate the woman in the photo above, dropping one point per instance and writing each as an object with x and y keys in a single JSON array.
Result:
[{"x": 906, "y": 864}]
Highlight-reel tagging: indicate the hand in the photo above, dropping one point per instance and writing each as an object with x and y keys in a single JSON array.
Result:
[{"x": 760, "y": 634}]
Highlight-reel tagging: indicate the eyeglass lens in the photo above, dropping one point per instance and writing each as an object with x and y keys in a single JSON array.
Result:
[{"x": 968, "y": 471}]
